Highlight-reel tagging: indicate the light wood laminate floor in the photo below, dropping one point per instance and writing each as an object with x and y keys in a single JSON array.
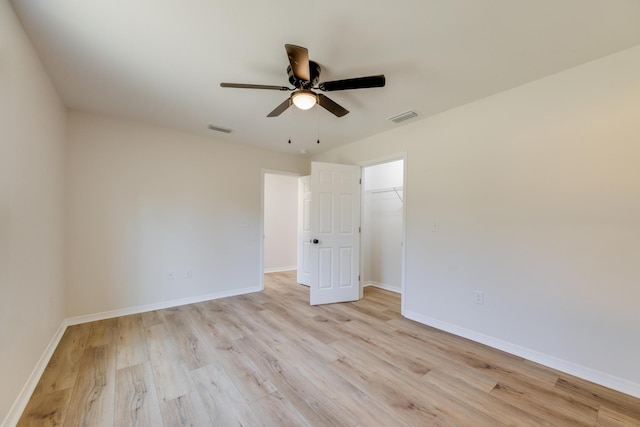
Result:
[{"x": 270, "y": 359}]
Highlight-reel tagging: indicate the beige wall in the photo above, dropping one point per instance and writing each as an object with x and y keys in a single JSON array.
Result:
[
  {"x": 537, "y": 193},
  {"x": 32, "y": 135},
  {"x": 145, "y": 201}
]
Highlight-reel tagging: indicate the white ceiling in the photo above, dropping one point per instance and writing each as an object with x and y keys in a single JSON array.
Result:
[{"x": 162, "y": 61}]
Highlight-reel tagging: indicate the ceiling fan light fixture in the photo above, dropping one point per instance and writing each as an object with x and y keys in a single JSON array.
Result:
[{"x": 304, "y": 99}]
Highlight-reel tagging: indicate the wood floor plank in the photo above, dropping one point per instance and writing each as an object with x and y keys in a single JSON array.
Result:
[
  {"x": 92, "y": 402},
  {"x": 371, "y": 311},
  {"x": 539, "y": 407},
  {"x": 300, "y": 337},
  {"x": 271, "y": 359},
  {"x": 136, "y": 398},
  {"x": 409, "y": 410},
  {"x": 193, "y": 351},
  {"x": 396, "y": 387},
  {"x": 46, "y": 410},
  {"x": 390, "y": 300},
  {"x": 185, "y": 411},
  {"x": 103, "y": 333},
  {"x": 150, "y": 318},
  {"x": 349, "y": 398},
  {"x": 249, "y": 380},
  {"x": 450, "y": 407},
  {"x": 556, "y": 398},
  {"x": 309, "y": 401},
  {"x": 214, "y": 320},
  {"x": 471, "y": 376},
  {"x": 275, "y": 410},
  {"x": 494, "y": 363},
  {"x": 485, "y": 403},
  {"x": 348, "y": 314},
  {"x": 610, "y": 418},
  {"x": 132, "y": 345},
  {"x": 599, "y": 396},
  {"x": 385, "y": 348},
  {"x": 62, "y": 369},
  {"x": 304, "y": 319},
  {"x": 223, "y": 402},
  {"x": 256, "y": 327},
  {"x": 169, "y": 370}
]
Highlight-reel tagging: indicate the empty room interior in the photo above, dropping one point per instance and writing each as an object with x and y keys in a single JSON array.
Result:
[{"x": 343, "y": 213}]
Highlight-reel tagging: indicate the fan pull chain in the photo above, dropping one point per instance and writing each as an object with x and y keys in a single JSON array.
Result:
[
  {"x": 290, "y": 112},
  {"x": 318, "y": 124}
]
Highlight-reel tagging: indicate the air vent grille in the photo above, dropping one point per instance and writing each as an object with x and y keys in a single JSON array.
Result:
[
  {"x": 403, "y": 116},
  {"x": 219, "y": 128}
]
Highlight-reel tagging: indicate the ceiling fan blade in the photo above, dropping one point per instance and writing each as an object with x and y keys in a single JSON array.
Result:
[
  {"x": 299, "y": 60},
  {"x": 250, "y": 86},
  {"x": 357, "y": 83},
  {"x": 331, "y": 106},
  {"x": 280, "y": 108}
]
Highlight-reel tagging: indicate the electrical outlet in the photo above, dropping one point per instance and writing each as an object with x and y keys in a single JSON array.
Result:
[{"x": 478, "y": 297}]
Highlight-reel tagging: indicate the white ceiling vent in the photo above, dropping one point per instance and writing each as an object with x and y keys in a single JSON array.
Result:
[
  {"x": 219, "y": 128},
  {"x": 403, "y": 116}
]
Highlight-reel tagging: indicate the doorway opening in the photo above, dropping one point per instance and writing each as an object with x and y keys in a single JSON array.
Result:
[
  {"x": 381, "y": 215},
  {"x": 279, "y": 222}
]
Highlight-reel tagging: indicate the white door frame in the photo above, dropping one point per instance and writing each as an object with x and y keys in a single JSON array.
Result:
[
  {"x": 261, "y": 236},
  {"x": 304, "y": 236},
  {"x": 373, "y": 162}
]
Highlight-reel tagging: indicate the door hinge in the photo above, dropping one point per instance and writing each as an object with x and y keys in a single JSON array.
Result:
[
  {"x": 360, "y": 181},
  {"x": 358, "y": 278},
  {"x": 359, "y": 229}
]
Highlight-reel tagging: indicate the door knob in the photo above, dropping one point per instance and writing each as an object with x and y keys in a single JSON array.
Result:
[{"x": 315, "y": 241}]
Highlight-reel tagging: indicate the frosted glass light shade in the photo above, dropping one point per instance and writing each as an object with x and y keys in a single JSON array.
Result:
[{"x": 304, "y": 99}]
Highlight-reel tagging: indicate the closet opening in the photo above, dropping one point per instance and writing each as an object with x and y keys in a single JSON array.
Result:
[{"x": 382, "y": 235}]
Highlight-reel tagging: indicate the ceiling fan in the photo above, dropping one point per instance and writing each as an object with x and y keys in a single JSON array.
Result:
[{"x": 304, "y": 76}]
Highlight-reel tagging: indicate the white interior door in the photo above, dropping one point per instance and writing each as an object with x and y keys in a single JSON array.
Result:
[
  {"x": 335, "y": 235},
  {"x": 304, "y": 230}
]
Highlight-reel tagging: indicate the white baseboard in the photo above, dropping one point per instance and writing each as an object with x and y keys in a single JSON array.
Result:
[
  {"x": 158, "y": 306},
  {"x": 601, "y": 378},
  {"x": 279, "y": 269},
  {"x": 25, "y": 394},
  {"x": 384, "y": 286}
]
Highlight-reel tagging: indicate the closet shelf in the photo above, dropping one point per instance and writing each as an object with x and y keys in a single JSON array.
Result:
[{"x": 388, "y": 190}]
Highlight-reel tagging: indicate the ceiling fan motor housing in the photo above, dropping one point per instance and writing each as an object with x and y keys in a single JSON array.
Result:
[{"x": 314, "y": 72}]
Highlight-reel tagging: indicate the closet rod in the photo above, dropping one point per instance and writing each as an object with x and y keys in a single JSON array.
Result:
[{"x": 388, "y": 190}]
